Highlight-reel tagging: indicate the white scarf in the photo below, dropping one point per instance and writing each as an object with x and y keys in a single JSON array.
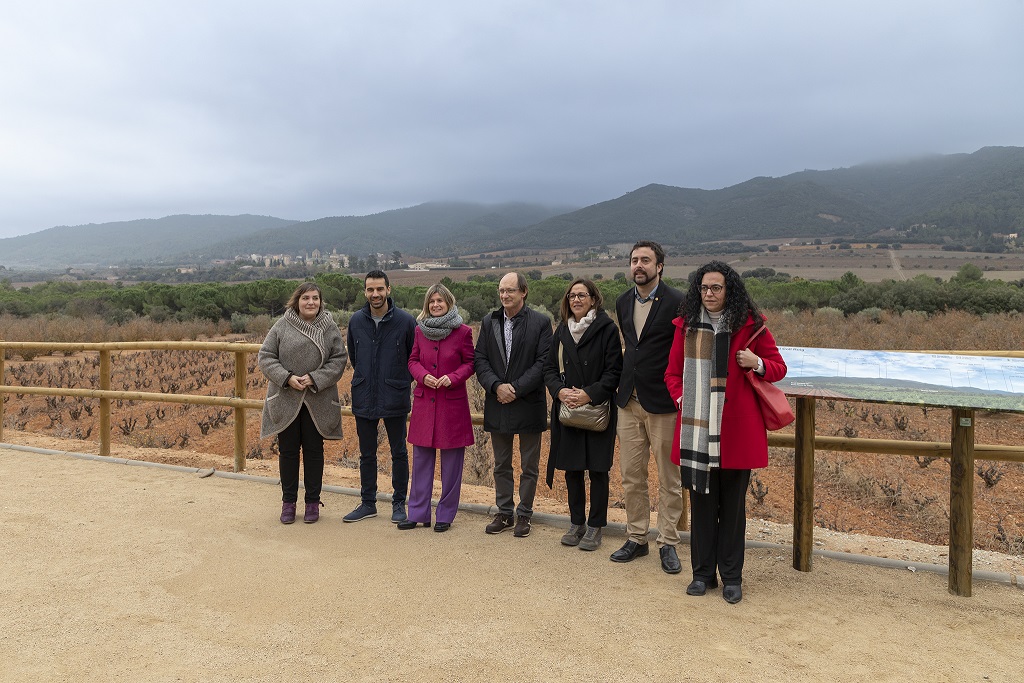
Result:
[{"x": 576, "y": 329}]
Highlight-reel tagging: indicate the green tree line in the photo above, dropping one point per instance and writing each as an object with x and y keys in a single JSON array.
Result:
[{"x": 966, "y": 291}]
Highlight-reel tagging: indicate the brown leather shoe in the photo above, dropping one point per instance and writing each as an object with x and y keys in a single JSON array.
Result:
[
  {"x": 522, "y": 529},
  {"x": 500, "y": 523}
]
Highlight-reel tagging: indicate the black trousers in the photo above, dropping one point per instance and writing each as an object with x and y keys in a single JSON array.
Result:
[
  {"x": 718, "y": 526},
  {"x": 578, "y": 497},
  {"x": 397, "y": 430},
  {"x": 301, "y": 433}
]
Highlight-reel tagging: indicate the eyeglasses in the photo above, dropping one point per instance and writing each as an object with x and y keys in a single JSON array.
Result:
[
  {"x": 714, "y": 289},
  {"x": 503, "y": 292},
  {"x": 578, "y": 296}
]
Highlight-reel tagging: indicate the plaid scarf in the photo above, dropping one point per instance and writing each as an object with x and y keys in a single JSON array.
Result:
[{"x": 706, "y": 355}]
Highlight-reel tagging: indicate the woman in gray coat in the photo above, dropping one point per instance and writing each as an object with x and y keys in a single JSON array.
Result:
[{"x": 302, "y": 358}]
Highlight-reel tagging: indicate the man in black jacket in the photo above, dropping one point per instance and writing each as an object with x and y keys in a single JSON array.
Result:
[
  {"x": 647, "y": 414},
  {"x": 380, "y": 338},
  {"x": 509, "y": 363}
]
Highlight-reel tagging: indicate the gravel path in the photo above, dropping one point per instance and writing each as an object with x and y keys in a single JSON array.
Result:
[{"x": 123, "y": 573}]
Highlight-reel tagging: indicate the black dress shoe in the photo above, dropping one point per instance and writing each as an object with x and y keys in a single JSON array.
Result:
[
  {"x": 732, "y": 594},
  {"x": 441, "y": 527},
  {"x": 630, "y": 551},
  {"x": 700, "y": 587},
  {"x": 407, "y": 524},
  {"x": 669, "y": 559}
]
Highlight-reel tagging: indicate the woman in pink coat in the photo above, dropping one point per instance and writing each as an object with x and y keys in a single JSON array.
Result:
[
  {"x": 720, "y": 434},
  {"x": 441, "y": 361}
]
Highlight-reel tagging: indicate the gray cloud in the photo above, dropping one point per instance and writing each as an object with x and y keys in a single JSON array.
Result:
[{"x": 116, "y": 110}]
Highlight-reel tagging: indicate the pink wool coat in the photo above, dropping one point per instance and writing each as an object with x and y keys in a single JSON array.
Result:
[
  {"x": 744, "y": 438},
  {"x": 440, "y": 417}
]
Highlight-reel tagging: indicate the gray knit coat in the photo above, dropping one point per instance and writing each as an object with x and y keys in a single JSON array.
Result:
[{"x": 288, "y": 351}]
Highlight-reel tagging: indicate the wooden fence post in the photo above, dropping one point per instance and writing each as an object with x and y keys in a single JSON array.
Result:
[
  {"x": 241, "y": 380},
  {"x": 803, "y": 485},
  {"x": 961, "y": 502},
  {"x": 3, "y": 352},
  {"x": 105, "y": 402}
]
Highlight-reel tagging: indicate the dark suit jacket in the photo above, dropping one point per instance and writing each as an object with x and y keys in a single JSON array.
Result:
[
  {"x": 531, "y": 338},
  {"x": 646, "y": 350}
]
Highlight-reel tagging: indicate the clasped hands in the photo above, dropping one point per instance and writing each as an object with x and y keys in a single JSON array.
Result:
[
  {"x": 432, "y": 382},
  {"x": 573, "y": 398},
  {"x": 300, "y": 383}
]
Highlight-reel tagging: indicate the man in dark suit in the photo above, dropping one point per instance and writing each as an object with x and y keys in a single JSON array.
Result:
[
  {"x": 647, "y": 414},
  {"x": 509, "y": 363}
]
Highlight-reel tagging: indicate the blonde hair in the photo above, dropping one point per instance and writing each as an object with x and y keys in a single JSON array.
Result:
[{"x": 445, "y": 293}]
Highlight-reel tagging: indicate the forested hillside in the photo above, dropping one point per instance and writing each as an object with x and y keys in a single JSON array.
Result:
[
  {"x": 432, "y": 229},
  {"x": 961, "y": 198},
  {"x": 125, "y": 242},
  {"x": 963, "y": 201}
]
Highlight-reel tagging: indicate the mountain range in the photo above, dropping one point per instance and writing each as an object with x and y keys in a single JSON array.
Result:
[{"x": 957, "y": 198}]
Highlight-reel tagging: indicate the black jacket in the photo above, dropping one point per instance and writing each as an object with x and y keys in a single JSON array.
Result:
[
  {"x": 380, "y": 362},
  {"x": 531, "y": 339},
  {"x": 594, "y": 365},
  {"x": 646, "y": 351}
]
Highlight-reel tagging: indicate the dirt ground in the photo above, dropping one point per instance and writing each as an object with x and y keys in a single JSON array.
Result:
[
  {"x": 122, "y": 573},
  {"x": 554, "y": 501}
]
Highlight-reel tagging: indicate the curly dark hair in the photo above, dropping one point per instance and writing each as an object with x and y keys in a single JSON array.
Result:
[{"x": 738, "y": 304}]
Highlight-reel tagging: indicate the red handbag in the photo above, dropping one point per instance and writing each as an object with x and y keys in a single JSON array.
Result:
[{"x": 774, "y": 405}]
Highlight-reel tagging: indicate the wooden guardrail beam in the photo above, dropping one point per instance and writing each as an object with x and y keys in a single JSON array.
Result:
[
  {"x": 132, "y": 346},
  {"x": 936, "y": 449},
  {"x": 108, "y": 394}
]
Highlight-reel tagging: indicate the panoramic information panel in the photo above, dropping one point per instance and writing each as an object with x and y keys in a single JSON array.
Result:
[{"x": 944, "y": 380}]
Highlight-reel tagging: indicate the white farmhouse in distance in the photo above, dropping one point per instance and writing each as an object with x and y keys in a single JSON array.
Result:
[{"x": 426, "y": 265}]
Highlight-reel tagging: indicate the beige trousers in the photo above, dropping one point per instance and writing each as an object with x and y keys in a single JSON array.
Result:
[{"x": 640, "y": 435}]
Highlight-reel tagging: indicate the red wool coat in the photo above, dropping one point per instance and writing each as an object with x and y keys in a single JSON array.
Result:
[
  {"x": 440, "y": 417},
  {"x": 744, "y": 438}
]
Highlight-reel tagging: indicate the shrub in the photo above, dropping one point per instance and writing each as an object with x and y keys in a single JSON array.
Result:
[
  {"x": 259, "y": 325},
  {"x": 873, "y": 314},
  {"x": 239, "y": 323}
]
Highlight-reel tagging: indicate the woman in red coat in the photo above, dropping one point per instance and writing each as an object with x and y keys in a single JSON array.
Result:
[
  {"x": 720, "y": 435},
  {"x": 441, "y": 361}
]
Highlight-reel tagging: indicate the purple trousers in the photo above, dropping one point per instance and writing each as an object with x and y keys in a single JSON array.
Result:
[{"x": 422, "y": 486}]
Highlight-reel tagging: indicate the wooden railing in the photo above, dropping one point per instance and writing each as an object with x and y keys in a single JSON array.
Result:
[
  {"x": 961, "y": 449},
  {"x": 238, "y": 401}
]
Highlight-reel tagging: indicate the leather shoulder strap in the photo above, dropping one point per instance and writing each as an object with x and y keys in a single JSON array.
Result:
[{"x": 754, "y": 336}]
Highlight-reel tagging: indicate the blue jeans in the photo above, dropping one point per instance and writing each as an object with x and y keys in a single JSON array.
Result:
[{"x": 366, "y": 430}]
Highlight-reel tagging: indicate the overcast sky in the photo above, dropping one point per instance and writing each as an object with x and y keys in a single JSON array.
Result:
[{"x": 122, "y": 110}]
